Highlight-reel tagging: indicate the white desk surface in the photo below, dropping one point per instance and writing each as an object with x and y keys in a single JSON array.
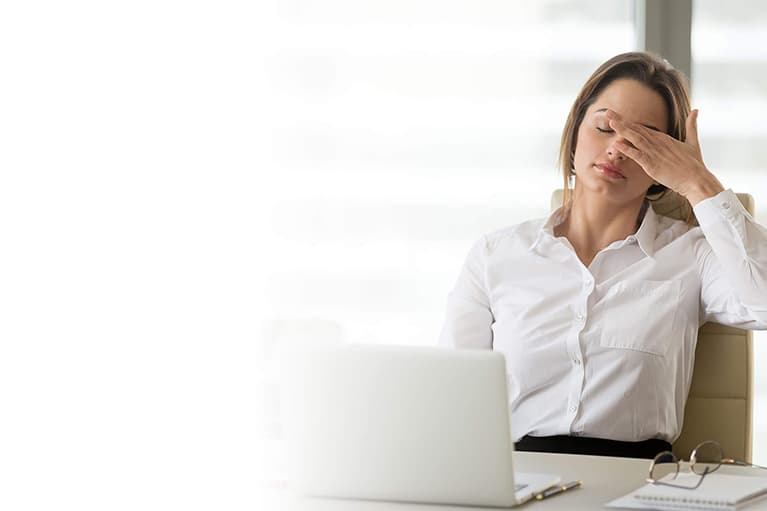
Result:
[{"x": 604, "y": 479}]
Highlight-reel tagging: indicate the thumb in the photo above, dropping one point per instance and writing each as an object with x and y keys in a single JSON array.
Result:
[{"x": 692, "y": 129}]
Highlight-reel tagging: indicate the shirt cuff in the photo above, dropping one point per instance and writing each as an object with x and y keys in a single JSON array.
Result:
[{"x": 723, "y": 206}]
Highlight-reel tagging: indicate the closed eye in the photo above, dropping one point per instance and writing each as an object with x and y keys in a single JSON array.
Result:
[{"x": 604, "y": 131}]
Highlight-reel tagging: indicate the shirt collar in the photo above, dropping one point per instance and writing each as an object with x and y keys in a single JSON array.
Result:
[
  {"x": 647, "y": 231},
  {"x": 554, "y": 219},
  {"x": 645, "y": 235}
]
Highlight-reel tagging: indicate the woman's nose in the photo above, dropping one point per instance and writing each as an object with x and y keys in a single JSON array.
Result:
[{"x": 612, "y": 150}]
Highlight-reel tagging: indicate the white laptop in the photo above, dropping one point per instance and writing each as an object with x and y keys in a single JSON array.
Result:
[{"x": 414, "y": 424}]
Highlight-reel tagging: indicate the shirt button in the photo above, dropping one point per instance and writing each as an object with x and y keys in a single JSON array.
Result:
[
  {"x": 579, "y": 316},
  {"x": 572, "y": 408},
  {"x": 631, "y": 239},
  {"x": 725, "y": 205},
  {"x": 576, "y": 362}
]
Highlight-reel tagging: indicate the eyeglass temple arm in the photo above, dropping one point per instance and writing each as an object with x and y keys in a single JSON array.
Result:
[{"x": 730, "y": 461}]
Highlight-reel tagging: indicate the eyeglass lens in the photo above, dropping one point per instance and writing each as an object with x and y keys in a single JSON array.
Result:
[
  {"x": 706, "y": 458},
  {"x": 664, "y": 464}
]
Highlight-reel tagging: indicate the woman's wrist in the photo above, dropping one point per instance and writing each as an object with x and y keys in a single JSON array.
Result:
[{"x": 704, "y": 188}]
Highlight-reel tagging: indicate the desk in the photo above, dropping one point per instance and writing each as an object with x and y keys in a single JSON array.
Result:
[{"x": 604, "y": 479}]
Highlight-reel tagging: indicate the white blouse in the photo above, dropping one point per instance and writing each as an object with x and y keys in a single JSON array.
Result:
[{"x": 607, "y": 351}]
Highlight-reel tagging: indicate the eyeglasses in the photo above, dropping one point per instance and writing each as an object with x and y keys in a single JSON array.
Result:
[{"x": 706, "y": 458}]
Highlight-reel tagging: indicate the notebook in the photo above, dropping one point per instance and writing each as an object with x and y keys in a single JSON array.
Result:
[
  {"x": 716, "y": 492},
  {"x": 406, "y": 423}
]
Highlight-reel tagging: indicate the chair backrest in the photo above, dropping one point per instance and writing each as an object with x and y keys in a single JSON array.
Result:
[{"x": 720, "y": 404}]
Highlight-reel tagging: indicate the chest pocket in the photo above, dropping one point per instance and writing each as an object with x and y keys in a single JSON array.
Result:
[{"x": 640, "y": 315}]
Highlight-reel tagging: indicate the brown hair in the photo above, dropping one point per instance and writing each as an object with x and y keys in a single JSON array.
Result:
[{"x": 648, "y": 69}]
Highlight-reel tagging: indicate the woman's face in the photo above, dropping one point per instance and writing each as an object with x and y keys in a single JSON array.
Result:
[{"x": 599, "y": 167}]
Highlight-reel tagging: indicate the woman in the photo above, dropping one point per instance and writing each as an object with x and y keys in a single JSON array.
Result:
[{"x": 597, "y": 308}]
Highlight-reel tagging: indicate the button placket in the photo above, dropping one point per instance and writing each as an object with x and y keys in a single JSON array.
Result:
[{"x": 580, "y": 311}]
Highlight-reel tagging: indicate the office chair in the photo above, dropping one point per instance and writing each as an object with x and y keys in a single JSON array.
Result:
[{"x": 720, "y": 403}]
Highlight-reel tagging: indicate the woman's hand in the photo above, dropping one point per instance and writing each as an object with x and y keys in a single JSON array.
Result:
[{"x": 675, "y": 164}]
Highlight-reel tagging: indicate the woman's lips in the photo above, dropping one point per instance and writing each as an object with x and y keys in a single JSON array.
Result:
[{"x": 609, "y": 170}]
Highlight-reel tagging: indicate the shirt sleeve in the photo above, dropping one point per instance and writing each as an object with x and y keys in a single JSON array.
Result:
[
  {"x": 733, "y": 263},
  {"x": 468, "y": 319}
]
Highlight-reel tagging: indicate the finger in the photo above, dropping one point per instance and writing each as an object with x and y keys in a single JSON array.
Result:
[
  {"x": 613, "y": 115},
  {"x": 692, "y": 129},
  {"x": 632, "y": 133},
  {"x": 634, "y": 153}
]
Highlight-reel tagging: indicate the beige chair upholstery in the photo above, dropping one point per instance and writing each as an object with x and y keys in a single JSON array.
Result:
[{"x": 720, "y": 403}]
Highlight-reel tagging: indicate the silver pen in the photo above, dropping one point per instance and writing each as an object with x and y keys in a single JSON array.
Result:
[{"x": 556, "y": 490}]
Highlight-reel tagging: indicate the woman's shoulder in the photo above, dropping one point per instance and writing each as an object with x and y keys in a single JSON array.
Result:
[{"x": 520, "y": 234}]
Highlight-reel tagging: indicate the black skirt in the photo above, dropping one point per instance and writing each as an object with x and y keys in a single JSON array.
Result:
[{"x": 594, "y": 446}]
